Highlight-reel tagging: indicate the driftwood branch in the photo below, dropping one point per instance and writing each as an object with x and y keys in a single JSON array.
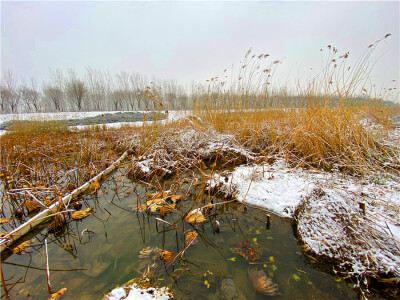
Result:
[{"x": 44, "y": 215}]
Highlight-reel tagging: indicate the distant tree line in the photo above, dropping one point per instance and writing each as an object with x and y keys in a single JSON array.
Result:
[{"x": 95, "y": 91}]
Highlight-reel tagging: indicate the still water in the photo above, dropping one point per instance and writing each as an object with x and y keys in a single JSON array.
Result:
[{"x": 98, "y": 253}]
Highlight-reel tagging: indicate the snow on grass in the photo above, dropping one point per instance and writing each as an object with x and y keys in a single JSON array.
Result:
[{"x": 134, "y": 292}]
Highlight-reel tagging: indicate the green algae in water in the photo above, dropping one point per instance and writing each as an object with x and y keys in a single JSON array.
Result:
[{"x": 102, "y": 251}]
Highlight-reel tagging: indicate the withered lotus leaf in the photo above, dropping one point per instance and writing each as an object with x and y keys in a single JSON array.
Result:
[
  {"x": 94, "y": 186},
  {"x": 245, "y": 250},
  {"x": 21, "y": 247},
  {"x": 32, "y": 206},
  {"x": 263, "y": 284},
  {"x": 153, "y": 205},
  {"x": 195, "y": 216},
  {"x": 166, "y": 256},
  {"x": 176, "y": 198},
  {"x": 81, "y": 214},
  {"x": 191, "y": 238},
  {"x": 167, "y": 209}
]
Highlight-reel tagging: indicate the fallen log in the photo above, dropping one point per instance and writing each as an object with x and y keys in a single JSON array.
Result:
[{"x": 23, "y": 229}]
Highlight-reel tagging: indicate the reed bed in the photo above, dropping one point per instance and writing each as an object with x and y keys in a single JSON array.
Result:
[{"x": 235, "y": 120}]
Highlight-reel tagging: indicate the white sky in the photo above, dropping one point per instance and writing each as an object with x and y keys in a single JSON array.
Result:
[{"x": 194, "y": 40}]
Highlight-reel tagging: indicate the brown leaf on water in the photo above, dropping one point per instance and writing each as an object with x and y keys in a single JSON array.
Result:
[
  {"x": 81, "y": 214},
  {"x": 191, "y": 238},
  {"x": 159, "y": 194},
  {"x": 245, "y": 250},
  {"x": 166, "y": 256},
  {"x": 58, "y": 294},
  {"x": 263, "y": 284},
  {"x": 153, "y": 195},
  {"x": 4, "y": 220},
  {"x": 176, "y": 198},
  {"x": 21, "y": 247},
  {"x": 32, "y": 206},
  {"x": 94, "y": 186},
  {"x": 167, "y": 209},
  {"x": 195, "y": 216},
  {"x": 153, "y": 205}
]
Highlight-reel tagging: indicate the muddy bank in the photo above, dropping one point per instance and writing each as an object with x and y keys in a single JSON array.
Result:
[{"x": 105, "y": 118}]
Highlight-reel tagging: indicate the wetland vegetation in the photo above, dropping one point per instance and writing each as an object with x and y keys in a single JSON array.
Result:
[{"x": 173, "y": 212}]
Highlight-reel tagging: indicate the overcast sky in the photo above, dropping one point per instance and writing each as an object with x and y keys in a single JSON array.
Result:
[{"x": 193, "y": 40}]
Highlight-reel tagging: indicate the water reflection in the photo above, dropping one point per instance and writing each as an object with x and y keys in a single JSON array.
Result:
[{"x": 92, "y": 256}]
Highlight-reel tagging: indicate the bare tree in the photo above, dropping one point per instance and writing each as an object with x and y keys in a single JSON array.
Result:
[
  {"x": 96, "y": 88},
  {"x": 30, "y": 95},
  {"x": 75, "y": 90},
  {"x": 54, "y": 90},
  {"x": 117, "y": 98},
  {"x": 9, "y": 94},
  {"x": 54, "y": 94}
]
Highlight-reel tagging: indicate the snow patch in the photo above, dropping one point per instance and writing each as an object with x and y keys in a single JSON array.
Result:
[
  {"x": 134, "y": 292},
  {"x": 276, "y": 188}
]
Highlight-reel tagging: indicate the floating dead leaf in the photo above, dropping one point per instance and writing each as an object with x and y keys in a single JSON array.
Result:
[
  {"x": 263, "y": 284},
  {"x": 94, "y": 186},
  {"x": 185, "y": 180},
  {"x": 245, "y": 250},
  {"x": 167, "y": 209},
  {"x": 81, "y": 214},
  {"x": 58, "y": 294},
  {"x": 166, "y": 256},
  {"x": 195, "y": 216},
  {"x": 159, "y": 194},
  {"x": 21, "y": 247},
  {"x": 129, "y": 192},
  {"x": 152, "y": 205},
  {"x": 191, "y": 238},
  {"x": 4, "y": 220},
  {"x": 176, "y": 198},
  {"x": 153, "y": 195},
  {"x": 32, "y": 206}
]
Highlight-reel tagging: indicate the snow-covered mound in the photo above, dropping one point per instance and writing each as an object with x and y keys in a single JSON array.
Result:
[{"x": 332, "y": 225}]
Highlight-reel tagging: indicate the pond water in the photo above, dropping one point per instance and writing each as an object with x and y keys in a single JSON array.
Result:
[{"x": 98, "y": 253}]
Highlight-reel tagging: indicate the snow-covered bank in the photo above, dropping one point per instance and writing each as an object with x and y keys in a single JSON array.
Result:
[
  {"x": 329, "y": 212},
  {"x": 332, "y": 226}
]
